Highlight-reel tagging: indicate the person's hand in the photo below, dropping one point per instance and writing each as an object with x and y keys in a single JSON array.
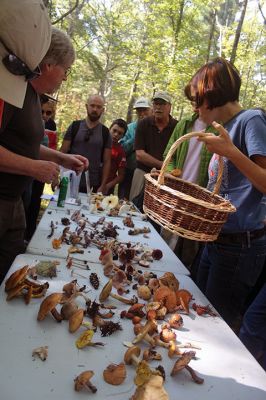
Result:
[
  {"x": 45, "y": 171},
  {"x": 107, "y": 187},
  {"x": 102, "y": 189},
  {"x": 55, "y": 184},
  {"x": 75, "y": 162},
  {"x": 220, "y": 144}
]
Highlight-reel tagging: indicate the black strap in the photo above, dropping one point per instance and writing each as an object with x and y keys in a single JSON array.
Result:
[
  {"x": 105, "y": 135},
  {"x": 74, "y": 130}
]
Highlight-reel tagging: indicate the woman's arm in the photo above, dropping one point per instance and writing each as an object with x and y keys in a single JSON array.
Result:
[{"x": 254, "y": 169}]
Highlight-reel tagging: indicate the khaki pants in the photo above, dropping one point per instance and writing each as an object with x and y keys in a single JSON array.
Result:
[{"x": 137, "y": 183}]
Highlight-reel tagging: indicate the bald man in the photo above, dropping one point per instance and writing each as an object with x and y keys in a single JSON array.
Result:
[{"x": 92, "y": 140}]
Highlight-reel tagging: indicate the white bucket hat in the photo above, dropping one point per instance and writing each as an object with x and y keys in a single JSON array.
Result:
[{"x": 25, "y": 31}]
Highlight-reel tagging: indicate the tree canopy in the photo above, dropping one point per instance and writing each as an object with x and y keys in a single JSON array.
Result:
[{"x": 130, "y": 48}]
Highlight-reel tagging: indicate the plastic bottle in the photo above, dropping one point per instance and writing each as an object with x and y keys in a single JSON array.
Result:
[{"x": 62, "y": 192}]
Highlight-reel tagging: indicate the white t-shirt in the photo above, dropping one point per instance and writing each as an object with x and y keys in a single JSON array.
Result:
[{"x": 190, "y": 171}]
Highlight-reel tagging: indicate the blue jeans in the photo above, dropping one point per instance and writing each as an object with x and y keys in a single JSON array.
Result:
[
  {"x": 253, "y": 329},
  {"x": 227, "y": 274}
]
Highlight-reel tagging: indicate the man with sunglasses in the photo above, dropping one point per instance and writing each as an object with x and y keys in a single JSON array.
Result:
[
  {"x": 152, "y": 136},
  {"x": 21, "y": 155}
]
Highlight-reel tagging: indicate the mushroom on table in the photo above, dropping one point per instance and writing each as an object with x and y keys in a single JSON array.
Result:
[
  {"x": 83, "y": 382},
  {"x": 131, "y": 356},
  {"x": 49, "y": 306}
]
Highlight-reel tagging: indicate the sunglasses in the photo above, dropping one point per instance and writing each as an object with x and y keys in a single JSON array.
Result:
[
  {"x": 158, "y": 102},
  {"x": 88, "y": 135},
  {"x": 67, "y": 72},
  {"x": 17, "y": 67},
  {"x": 48, "y": 113}
]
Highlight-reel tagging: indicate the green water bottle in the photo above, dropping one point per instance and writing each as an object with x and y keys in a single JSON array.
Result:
[{"x": 62, "y": 192}]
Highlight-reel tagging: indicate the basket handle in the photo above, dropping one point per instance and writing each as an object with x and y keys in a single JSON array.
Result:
[{"x": 175, "y": 146}]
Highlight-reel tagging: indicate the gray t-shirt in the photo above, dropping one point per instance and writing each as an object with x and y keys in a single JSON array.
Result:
[
  {"x": 90, "y": 144},
  {"x": 247, "y": 130}
]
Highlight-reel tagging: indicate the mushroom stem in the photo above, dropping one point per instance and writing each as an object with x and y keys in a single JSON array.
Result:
[
  {"x": 90, "y": 387},
  {"x": 135, "y": 360},
  {"x": 173, "y": 349},
  {"x": 147, "y": 338},
  {"x": 194, "y": 376},
  {"x": 123, "y": 299},
  {"x": 159, "y": 342},
  {"x": 56, "y": 315},
  {"x": 144, "y": 331}
]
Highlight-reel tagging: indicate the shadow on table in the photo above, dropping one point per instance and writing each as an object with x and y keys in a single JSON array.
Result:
[{"x": 214, "y": 387}]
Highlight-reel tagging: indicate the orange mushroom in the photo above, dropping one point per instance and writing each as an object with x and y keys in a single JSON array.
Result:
[
  {"x": 49, "y": 306},
  {"x": 166, "y": 297}
]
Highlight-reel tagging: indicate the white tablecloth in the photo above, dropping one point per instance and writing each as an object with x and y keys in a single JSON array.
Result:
[
  {"x": 42, "y": 245},
  {"x": 228, "y": 369}
]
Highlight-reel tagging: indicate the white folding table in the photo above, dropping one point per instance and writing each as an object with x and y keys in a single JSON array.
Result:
[
  {"x": 227, "y": 367},
  {"x": 41, "y": 244}
]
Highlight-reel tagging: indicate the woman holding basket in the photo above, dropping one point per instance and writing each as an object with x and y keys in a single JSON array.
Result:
[{"x": 230, "y": 267}]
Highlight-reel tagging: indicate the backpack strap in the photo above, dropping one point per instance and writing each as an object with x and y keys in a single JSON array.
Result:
[
  {"x": 74, "y": 130},
  {"x": 105, "y": 136}
]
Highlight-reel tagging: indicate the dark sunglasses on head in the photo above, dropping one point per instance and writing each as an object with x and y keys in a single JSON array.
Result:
[
  {"x": 17, "y": 67},
  {"x": 48, "y": 113},
  {"x": 89, "y": 133}
]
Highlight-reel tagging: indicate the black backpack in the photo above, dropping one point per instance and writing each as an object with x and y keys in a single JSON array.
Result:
[{"x": 75, "y": 128}]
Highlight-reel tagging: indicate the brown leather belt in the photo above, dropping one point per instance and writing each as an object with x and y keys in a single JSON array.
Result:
[{"x": 240, "y": 237}]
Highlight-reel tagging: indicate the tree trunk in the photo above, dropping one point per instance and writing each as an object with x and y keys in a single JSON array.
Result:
[
  {"x": 132, "y": 98},
  {"x": 212, "y": 28},
  {"x": 177, "y": 27},
  {"x": 238, "y": 32}
]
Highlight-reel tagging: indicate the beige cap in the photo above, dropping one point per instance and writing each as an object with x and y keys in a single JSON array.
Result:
[
  {"x": 162, "y": 95},
  {"x": 25, "y": 30},
  {"x": 142, "y": 102}
]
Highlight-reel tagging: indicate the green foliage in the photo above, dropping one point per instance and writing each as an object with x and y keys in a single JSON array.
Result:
[{"x": 128, "y": 48}]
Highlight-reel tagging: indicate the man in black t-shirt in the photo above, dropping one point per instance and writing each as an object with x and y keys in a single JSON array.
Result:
[{"x": 152, "y": 136}]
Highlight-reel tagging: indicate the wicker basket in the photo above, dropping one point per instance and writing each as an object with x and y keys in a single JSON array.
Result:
[{"x": 185, "y": 208}]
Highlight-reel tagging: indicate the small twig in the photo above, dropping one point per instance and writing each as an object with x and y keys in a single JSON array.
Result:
[
  {"x": 73, "y": 272},
  {"x": 188, "y": 346}
]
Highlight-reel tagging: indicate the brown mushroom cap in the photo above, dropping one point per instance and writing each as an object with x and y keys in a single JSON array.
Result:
[
  {"x": 82, "y": 380},
  {"x": 15, "y": 291},
  {"x": 115, "y": 374},
  {"x": 48, "y": 304},
  {"x": 132, "y": 351},
  {"x": 106, "y": 291},
  {"x": 169, "y": 279},
  {"x": 16, "y": 278},
  {"x": 68, "y": 309},
  {"x": 75, "y": 320},
  {"x": 182, "y": 362},
  {"x": 176, "y": 321}
]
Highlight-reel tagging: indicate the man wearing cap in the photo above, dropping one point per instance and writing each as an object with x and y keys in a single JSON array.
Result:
[
  {"x": 143, "y": 109},
  {"x": 21, "y": 130},
  {"x": 152, "y": 136}
]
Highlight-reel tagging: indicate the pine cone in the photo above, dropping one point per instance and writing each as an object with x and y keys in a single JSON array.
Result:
[{"x": 94, "y": 280}]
